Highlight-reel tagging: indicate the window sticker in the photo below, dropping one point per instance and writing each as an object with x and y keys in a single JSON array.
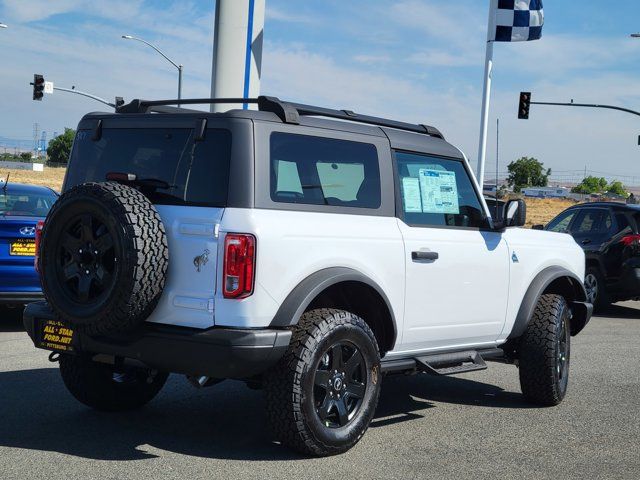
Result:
[
  {"x": 411, "y": 195},
  {"x": 439, "y": 191}
]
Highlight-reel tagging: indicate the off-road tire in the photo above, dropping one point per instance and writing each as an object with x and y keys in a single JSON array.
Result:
[
  {"x": 603, "y": 300},
  {"x": 543, "y": 375},
  {"x": 107, "y": 388},
  {"x": 289, "y": 386},
  {"x": 138, "y": 257}
]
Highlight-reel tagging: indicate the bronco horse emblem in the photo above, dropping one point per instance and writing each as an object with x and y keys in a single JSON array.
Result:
[{"x": 201, "y": 260}]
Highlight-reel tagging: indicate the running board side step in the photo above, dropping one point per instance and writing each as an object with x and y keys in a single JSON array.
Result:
[{"x": 451, "y": 363}]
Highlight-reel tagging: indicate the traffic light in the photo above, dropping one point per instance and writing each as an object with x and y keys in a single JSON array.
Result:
[
  {"x": 38, "y": 87},
  {"x": 525, "y": 103}
]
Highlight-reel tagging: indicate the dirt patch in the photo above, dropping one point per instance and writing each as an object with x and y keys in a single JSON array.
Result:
[
  {"x": 542, "y": 210},
  {"x": 51, "y": 177}
]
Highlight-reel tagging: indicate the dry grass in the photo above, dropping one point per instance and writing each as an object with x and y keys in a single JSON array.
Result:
[
  {"x": 539, "y": 210},
  {"x": 51, "y": 177},
  {"x": 542, "y": 210}
]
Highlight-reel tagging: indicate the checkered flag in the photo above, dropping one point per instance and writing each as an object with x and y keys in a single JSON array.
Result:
[{"x": 518, "y": 21}]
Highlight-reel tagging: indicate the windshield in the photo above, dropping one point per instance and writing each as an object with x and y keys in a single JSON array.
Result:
[
  {"x": 36, "y": 204},
  {"x": 188, "y": 172}
]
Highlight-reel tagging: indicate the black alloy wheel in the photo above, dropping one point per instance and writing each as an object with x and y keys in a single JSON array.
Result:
[
  {"x": 322, "y": 394},
  {"x": 563, "y": 352},
  {"x": 86, "y": 257},
  {"x": 340, "y": 383},
  {"x": 103, "y": 258}
]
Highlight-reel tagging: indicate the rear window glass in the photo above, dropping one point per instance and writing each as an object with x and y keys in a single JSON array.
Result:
[
  {"x": 323, "y": 171},
  {"x": 26, "y": 204},
  {"x": 195, "y": 173}
]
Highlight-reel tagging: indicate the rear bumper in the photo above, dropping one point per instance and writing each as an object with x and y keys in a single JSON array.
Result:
[
  {"x": 216, "y": 352},
  {"x": 629, "y": 283},
  {"x": 20, "y": 298}
]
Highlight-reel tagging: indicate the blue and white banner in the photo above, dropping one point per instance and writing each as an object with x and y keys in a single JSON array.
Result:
[{"x": 518, "y": 21}]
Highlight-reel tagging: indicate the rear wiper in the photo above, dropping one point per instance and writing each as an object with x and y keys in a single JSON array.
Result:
[{"x": 132, "y": 179}]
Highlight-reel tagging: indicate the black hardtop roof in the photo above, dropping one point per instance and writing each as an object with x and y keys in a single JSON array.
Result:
[{"x": 403, "y": 136}]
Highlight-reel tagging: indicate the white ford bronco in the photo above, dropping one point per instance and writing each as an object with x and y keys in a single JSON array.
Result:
[{"x": 307, "y": 251}]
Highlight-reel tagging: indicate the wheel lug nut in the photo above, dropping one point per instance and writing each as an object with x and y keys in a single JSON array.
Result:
[
  {"x": 87, "y": 272},
  {"x": 80, "y": 251}
]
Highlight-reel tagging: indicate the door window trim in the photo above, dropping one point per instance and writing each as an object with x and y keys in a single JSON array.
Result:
[
  {"x": 263, "y": 131},
  {"x": 400, "y": 213}
]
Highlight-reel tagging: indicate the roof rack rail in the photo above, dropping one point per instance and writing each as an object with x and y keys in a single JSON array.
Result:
[{"x": 286, "y": 111}]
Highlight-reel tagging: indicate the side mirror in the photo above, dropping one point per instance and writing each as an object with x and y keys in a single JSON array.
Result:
[{"x": 515, "y": 213}]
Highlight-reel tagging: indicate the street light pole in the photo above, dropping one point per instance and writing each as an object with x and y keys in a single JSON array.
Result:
[{"x": 179, "y": 67}]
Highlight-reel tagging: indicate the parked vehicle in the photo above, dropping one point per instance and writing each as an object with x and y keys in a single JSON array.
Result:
[
  {"x": 21, "y": 207},
  {"x": 307, "y": 255},
  {"x": 609, "y": 234}
]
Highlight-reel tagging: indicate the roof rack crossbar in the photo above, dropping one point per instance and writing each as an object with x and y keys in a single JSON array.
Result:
[
  {"x": 143, "y": 106},
  {"x": 287, "y": 112}
]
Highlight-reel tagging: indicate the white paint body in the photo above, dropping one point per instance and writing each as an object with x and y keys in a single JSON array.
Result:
[
  {"x": 469, "y": 297},
  {"x": 237, "y": 51}
]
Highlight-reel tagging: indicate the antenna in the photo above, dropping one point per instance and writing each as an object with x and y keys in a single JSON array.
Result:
[{"x": 6, "y": 181}]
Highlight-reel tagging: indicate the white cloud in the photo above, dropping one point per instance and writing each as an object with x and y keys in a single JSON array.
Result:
[{"x": 32, "y": 10}]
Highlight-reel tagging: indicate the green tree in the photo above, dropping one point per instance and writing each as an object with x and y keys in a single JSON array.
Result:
[
  {"x": 527, "y": 172},
  {"x": 617, "y": 188},
  {"x": 25, "y": 156},
  {"x": 591, "y": 185},
  {"x": 60, "y": 147}
]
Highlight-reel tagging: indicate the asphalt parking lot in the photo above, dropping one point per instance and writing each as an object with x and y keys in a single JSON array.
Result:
[{"x": 470, "y": 426}]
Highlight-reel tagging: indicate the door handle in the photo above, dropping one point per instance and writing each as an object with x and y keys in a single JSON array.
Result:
[
  {"x": 586, "y": 241},
  {"x": 420, "y": 255}
]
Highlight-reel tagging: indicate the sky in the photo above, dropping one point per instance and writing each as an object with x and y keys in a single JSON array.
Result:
[{"x": 418, "y": 61}]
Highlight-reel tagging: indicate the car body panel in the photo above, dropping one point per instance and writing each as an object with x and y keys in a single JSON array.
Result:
[
  {"x": 18, "y": 277},
  {"x": 603, "y": 245}
]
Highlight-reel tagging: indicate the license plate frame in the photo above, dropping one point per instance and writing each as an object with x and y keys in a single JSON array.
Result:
[
  {"x": 55, "y": 335},
  {"x": 24, "y": 247}
]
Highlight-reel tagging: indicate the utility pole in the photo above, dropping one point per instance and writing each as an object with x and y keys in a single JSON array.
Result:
[{"x": 36, "y": 128}]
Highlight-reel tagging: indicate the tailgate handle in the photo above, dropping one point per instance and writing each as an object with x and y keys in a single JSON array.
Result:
[{"x": 420, "y": 255}]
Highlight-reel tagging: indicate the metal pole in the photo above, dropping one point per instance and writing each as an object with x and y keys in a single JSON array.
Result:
[
  {"x": 486, "y": 93},
  {"x": 85, "y": 94},
  {"x": 179, "y": 83},
  {"x": 497, "y": 160},
  {"x": 179, "y": 67},
  {"x": 588, "y": 105}
]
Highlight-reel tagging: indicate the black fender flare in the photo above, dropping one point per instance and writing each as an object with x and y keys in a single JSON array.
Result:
[
  {"x": 580, "y": 308},
  {"x": 308, "y": 289}
]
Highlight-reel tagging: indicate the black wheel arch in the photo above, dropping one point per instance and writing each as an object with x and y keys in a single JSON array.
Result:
[
  {"x": 560, "y": 281},
  {"x": 347, "y": 289}
]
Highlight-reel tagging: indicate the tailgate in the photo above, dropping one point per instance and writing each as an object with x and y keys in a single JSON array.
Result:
[{"x": 192, "y": 234}]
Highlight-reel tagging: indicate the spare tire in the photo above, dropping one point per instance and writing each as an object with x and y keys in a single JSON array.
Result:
[{"x": 103, "y": 258}]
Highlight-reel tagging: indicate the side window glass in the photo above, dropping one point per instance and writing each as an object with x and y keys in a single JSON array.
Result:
[
  {"x": 588, "y": 222},
  {"x": 606, "y": 223},
  {"x": 623, "y": 223},
  {"x": 561, "y": 223},
  {"x": 324, "y": 171},
  {"x": 437, "y": 192}
]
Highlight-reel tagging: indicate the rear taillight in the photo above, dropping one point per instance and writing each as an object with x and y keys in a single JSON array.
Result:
[
  {"x": 239, "y": 265},
  {"x": 631, "y": 240},
  {"x": 39, "y": 228}
]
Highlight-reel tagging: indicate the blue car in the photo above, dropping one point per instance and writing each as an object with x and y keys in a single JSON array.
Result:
[{"x": 21, "y": 207}]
